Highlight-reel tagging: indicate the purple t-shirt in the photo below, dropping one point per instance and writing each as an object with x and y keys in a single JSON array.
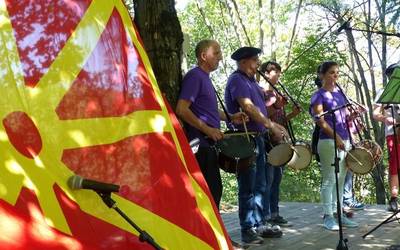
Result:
[
  {"x": 329, "y": 101},
  {"x": 241, "y": 86},
  {"x": 197, "y": 88}
]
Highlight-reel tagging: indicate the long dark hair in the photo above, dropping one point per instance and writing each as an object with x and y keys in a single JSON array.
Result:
[{"x": 317, "y": 80}]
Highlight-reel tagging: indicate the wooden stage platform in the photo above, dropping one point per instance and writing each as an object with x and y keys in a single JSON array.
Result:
[{"x": 307, "y": 231}]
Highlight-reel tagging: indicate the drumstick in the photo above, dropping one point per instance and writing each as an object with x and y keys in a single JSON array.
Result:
[
  {"x": 295, "y": 151},
  {"x": 245, "y": 127},
  {"x": 239, "y": 134},
  {"x": 354, "y": 158}
]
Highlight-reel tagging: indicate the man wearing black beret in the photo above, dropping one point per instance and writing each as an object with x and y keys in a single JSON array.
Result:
[
  {"x": 245, "y": 52},
  {"x": 243, "y": 92}
]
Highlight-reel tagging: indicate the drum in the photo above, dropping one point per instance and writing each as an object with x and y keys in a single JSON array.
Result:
[
  {"x": 364, "y": 157},
  {"x": 235, "y": 152},
  {"x": 302, "y": 156},
  {"x": 279, "y": 151}
]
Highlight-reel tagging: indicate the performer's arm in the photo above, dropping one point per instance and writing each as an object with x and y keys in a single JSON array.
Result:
[
  {"x": 318, "y": 109},
  {"x": 236, "y": 118},
  {"x": 379, "y": 115},
  {"x": 294, "y": 113},
  {"x": 252, "y": 111},
  {"x": 184, "y": 112}
]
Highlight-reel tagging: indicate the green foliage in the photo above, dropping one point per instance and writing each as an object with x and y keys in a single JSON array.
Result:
[
  {"x": 301, "y": 185},
  {"x": 299, "y": 77},
  {"x": 195, "y": 26},
  {"x": 229, "y": 193},
  {"x": 393, "y": 12}
]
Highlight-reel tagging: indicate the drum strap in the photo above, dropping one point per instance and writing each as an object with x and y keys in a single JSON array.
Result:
[
  {"x": 354, "y": 123},
  {"x": 315, "y": 136},
  {"x": 228, "y": 118},
  {"x": 314, "y": 141}
]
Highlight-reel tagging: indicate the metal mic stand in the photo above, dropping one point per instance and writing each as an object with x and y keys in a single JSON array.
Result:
[
  {"x": 342, "y": 244},
  {"x": 143, "y": 235},
  {"x": 388, "y": 220},
  {"x": 374, "y": 31}
]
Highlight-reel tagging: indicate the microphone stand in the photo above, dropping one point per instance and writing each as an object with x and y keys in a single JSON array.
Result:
[
  {"x": 388, "y": 220},
  {"x": 143, "y": 235},
  {"x": 342, "y": 244},
  {"x": 375, "y": 32}
]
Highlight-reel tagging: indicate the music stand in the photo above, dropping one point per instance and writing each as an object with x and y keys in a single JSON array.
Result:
[
  {"x": 390, "y": 95},
  {"x": 342, "y": 244}
]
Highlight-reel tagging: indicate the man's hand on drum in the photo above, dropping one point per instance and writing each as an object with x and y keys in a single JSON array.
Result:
[
  {"x": 239, "y": 117},
  {"x": 213, "y": 133},
  {"x": 279, "y": 133},
  {"x": 339, "y": 143}
]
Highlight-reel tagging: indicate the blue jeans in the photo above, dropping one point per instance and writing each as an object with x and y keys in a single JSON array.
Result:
[
  {"x": 273, "y": 177},
  {"x": 252, "y": 186},
  {"x": 348, "y": 188}
]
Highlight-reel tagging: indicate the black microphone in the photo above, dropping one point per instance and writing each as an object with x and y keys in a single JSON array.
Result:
[
  {"x": 331, "y": 111},
  {"x": 345, "y": 25},
  {"x": 77, "y": 182}
]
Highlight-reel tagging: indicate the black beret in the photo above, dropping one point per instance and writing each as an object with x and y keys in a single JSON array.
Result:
[
  {"x": 391, "y": 68},
  {"x": 245, "y": 52}
]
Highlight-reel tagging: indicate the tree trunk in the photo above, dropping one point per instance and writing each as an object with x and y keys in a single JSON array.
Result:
[
  {"x": 370, "y": 52},
  {"x": 382, "y": 14},
  {"x": 234, "y": 24},
  {"x": 377, "y": 173},
  {"x": 292, "y": 38},
  {"x": 273, "y": 32},
  {"x": 260, "y": 25},
  {"x": 226, "y": 30},
  {"x": 210, "y": 29},
  {"x": 235, "y": 5},
  {"x": 160, "y": 30}
]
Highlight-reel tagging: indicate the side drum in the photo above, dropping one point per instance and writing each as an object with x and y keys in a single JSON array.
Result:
[
  {"x": 235, "y": 152},
  {"x": 363, "y": 158},
  {"x": 302, "y": 156},
  {"x": 279, "y": 151}
]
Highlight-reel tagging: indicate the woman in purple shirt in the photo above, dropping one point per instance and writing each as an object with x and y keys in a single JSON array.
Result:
[{"x": 326, "y": 98}]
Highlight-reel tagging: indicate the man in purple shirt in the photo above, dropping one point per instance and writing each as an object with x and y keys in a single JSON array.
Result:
[
  {"x": 198, "y": 108},
  {"x": 242, "y": 91}
]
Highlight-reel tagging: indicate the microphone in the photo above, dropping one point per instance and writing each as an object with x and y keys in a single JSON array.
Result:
[
  {"x": 331, "y": 111},
  {"x": 77, "y": 182},
  {"x": 344, "y": 26}
]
